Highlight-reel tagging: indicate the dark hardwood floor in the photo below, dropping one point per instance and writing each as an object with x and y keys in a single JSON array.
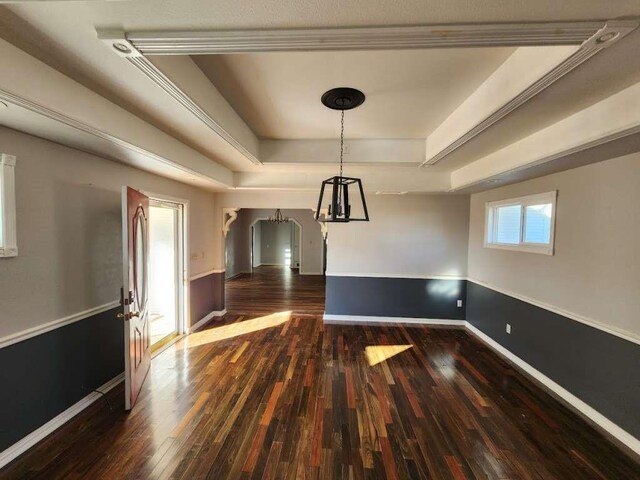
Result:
[
  {"x": 275, "y": 289},
  {"x": 268, "y": 394}
]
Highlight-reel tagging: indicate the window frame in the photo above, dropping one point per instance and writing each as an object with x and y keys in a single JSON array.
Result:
[
  {"x": 490, "y": 227},
  {"x": 8, "y": 243}
]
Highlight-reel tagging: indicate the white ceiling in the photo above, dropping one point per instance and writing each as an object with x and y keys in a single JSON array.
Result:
[{"x": 408, "y": 92}]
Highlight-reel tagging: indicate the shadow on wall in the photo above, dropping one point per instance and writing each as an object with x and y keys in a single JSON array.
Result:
[{"x": 88, "y": 262}]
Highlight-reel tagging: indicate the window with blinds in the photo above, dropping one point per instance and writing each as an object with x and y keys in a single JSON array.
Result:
[{"x": 524, "y": 223}]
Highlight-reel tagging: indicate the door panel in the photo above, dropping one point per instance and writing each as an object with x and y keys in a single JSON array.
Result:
[{"x": 135, "y": 228}]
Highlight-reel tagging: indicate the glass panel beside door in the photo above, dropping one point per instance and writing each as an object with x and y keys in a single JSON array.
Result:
[{"x": 164, "y": 271}]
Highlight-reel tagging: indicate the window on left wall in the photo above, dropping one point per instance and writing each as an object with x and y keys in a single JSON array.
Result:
[{"x": 8, "y": 243}]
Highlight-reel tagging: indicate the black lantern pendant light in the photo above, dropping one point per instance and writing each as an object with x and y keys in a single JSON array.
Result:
[
  {"x": 278, "y": 217},
  {"x": 339, "y": 210}
]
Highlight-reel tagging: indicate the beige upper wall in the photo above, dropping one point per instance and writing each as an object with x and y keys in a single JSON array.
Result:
[
  {"x": 412, "y": 235},
  {"x": 69, "y": 231},
  {"x": 595, "y": 272}
]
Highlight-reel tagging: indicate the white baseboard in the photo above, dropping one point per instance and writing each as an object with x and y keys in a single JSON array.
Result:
[
  {"x": 602, "y": 422},
  {"x": 589, "y": 412},
  {"x": 206, "y": 319},
  {"x": 361, "y": 319},
  {"x": 34, "y": 437},
  {"x": 311, "y": 273}
]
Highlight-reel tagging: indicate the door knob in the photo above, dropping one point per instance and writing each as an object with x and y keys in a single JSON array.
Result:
[{"x": 121, "y": 316}]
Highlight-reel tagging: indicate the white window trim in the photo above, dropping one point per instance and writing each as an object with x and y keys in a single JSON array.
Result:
[
  {"x": 8, "y": 243},
  {"x": 536, "y": 199}
]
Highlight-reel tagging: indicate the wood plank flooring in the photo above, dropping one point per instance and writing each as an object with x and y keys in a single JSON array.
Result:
[
  {"x": 279, "y": 395},
  {"x": 275, "y": 289}
]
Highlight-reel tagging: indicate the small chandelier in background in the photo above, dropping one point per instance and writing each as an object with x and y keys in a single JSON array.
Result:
[
  {"x": 278, "y": 217},
  {"x": 339, "y": 210}
]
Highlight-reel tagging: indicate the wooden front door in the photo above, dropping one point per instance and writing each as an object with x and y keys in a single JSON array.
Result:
[{"x": 135, "y": 246}]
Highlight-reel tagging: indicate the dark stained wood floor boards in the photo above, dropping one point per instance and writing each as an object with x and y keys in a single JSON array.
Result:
[
  {"x": 275, "y": 396},
  {"x": 274, "y": 289}
]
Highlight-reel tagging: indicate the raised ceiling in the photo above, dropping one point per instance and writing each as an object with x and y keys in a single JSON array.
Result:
[
  {"x": 409, "y": 92},
  {"x": 254, "y": 120}
]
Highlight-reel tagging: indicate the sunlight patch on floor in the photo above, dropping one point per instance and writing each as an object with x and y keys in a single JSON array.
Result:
[
  {"x": 379, "y": 353},
  {"x": 216, "y": 334}
]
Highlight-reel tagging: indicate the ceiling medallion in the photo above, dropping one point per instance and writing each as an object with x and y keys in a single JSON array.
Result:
[
  {"x": 278, "y": 217},
  {"x": 342, "y": 98}
]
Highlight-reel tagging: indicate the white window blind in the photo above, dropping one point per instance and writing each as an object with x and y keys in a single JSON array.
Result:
[{"x": 524, "y": 223}]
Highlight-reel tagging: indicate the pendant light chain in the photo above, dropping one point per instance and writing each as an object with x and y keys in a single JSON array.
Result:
[
  {"x": 341, "y": 141},
  {"x": 339, "y": 206}
]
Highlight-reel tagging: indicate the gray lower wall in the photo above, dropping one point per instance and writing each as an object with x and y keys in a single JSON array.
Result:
[
  {"x": 206, "y": 295},
  {"x": 395, "y": 297},
  {"x": 601, "y": 369},
  {"x": 44, "y": 375}
]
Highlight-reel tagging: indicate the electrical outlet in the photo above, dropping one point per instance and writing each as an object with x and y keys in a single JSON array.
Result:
[
  {"x": 508, "y": 329},
  {"x": 459, "y": 303}
]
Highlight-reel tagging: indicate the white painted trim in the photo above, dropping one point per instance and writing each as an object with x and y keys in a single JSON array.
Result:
[
  {"x": 364, "y": 319},
  {"x": 86, "y": 128},
  {"x": 151, "y": 71},
  {"x": 226, "y": 222},
  {"x": 491, "y": 227},
  {"x": 47, "y": 327},
  {"x": 8, "y": 240},
  {"x": 362, "y": 38},
  {"x": 311, "y": 273},
  {"x": 181, "y": 206},
  {"x": 631, "y": 337},
  {"x": 589, "y": 47},
  {"x": 585, "y": 34},
  {"x": 34, "y": 437},
  {"x": 206, "y": 319},
  {"x": 395, "y": 275},
  {"x": 603, "y": 422},
  {"x": 581, "y": 147},
  {"x": 206, "y": 274}
]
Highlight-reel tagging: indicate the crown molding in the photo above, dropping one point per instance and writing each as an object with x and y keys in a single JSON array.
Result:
[
  {"x": 589, "y": 47},
  {"x": 592, "y": 36},
  {"x": 362, "y": 38},
  {"x": 86, "y": 128},
  {"x": 152, "y": 72},
  {"x": 612, "y": 137},
  {"x": 119, "y": 43}
]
